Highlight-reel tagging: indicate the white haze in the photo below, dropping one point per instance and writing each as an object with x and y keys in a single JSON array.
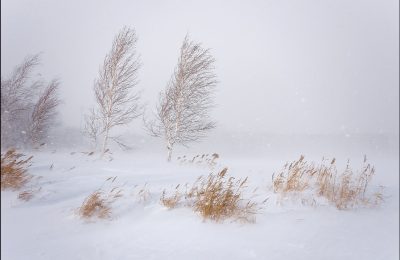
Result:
[
  {"x": 328, "y": 67},
  {"x": 318, "y": 78}
]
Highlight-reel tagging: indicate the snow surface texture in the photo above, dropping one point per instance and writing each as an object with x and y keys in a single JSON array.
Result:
[{"x": 47, "y": 226}]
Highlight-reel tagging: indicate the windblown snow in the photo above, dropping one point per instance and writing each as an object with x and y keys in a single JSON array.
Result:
[{"x": 48, "y": 227}]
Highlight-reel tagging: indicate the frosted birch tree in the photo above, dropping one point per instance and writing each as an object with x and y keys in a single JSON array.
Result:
[
  {"x": 17, "y": 93},
  {"x": 116, "y": 103},
  {"x": 44, "y": 112},
  {"x": 182, "y": 114},
  {"x": 28, "y": 108}
]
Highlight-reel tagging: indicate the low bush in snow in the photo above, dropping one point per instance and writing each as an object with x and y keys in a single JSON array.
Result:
[
  {"x": 14, "y": 170},
  {"x": 345, "y": 190},
  {"x": 98, "y": 204},
  {"x": 216, "y": 197},
  {"x": 144, "y": 194},
  {"x": 171, "y": 201},
  {"x": 26, "y": 195},
  {"x": 201, "y": 160}
]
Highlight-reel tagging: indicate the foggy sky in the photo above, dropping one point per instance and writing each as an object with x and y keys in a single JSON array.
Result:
[{"x": 283, "y": 66}]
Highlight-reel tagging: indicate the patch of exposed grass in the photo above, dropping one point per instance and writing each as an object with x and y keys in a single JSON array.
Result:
[
  {"x": 27, "y": 195},
  {"x": 219, "y": 197},
  {"x": 98, "y": 204},
  {"x": 171, "y": 201},
  {"x": 216, "y": 197},
  {"x": 201, "y": 160},
  {"x": 14, "y": 170},
  {"x": 295, "y": 176},
  {"x": 95, "y": 205},
  {"x": 144, "y": 194},
  {"x": 344, "y": 189}
]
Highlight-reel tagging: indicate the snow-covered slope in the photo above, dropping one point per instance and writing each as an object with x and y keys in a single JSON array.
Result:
[{"x": 47, "y": 226}]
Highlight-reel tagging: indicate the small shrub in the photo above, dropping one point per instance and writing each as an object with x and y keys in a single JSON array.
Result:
[
  {"x": 344, "y": 190},
  {"x": 25, "y": 195},
  {"x": 171, "y": 201},
  {"x": 347, "y": 189},
  {"x": 201, "y": 160},
  {"x": 14, "y": 170},
  {"x": 98, "y": 204},
  {"x": 95, "y": 205},
  {"x": 293, "y": 177},
  {"x": 219, "y": 197},
  {"x": 213, "y": 159},
  {"x": 144, "y": 194},
  {"x": 216, "y": 197}
]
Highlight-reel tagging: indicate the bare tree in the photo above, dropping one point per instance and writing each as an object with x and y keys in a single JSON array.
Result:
[
  {"x": 183, "y": 111},
  {"x": 20, "y": 115},
  {"x": 16, "y": 99},
  {"x": 44, "y": 112},
  {"x": 116, "y": 104},
  {"x": 16, "y": 94},
  {"x": 92, "y": 126}
]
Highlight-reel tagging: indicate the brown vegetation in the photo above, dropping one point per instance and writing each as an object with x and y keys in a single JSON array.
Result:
[
  {"x": 216, "y": 197},
  {"x": 204, "y": 159},
  {"x": 14, "y": 170},
  {"x": 144, "y": 194},
  {"x": 171, "y": 201},
  {"x": 95, "y": 205},
  {"x": 98, "y": 204},
  {"x": 345, "y": 190}
]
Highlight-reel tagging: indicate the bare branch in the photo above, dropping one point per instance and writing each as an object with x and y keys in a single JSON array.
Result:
[
  {"x": 118, "y": 140},
  {"x": 92, "y": 127}
]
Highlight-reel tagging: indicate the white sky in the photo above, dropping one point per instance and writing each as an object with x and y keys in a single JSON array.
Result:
[{"x": 284, "y": 66}]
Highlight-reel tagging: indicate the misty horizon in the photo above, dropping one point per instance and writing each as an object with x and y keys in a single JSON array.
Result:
[{"x": 283, "y": 67}]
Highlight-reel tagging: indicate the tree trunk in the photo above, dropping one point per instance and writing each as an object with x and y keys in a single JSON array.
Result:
[
  {"x": 169, "y": 148},
  {"x": 103, "y": 150}
]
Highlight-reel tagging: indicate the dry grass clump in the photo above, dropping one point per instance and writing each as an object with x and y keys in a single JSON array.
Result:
[
  {"x": 98, "y": 204},
  {"x": 204, "y": 159},
  {"x": 216, "y": 197},
  {"x": 95, "y": 205},
  {"x": 294, "y": 177},
  {"x": 171, "y": 201},
  {"x": 27, "y": 195},
  {"x": 347, "y": 189},
  {"x": 344, "y": 190},
  {"x": 144, "y": 194},
  {"x": 14, "y": 170}
]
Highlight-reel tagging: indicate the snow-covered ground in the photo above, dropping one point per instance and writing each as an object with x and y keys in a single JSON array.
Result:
[{"x": 47, "y": 227}]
